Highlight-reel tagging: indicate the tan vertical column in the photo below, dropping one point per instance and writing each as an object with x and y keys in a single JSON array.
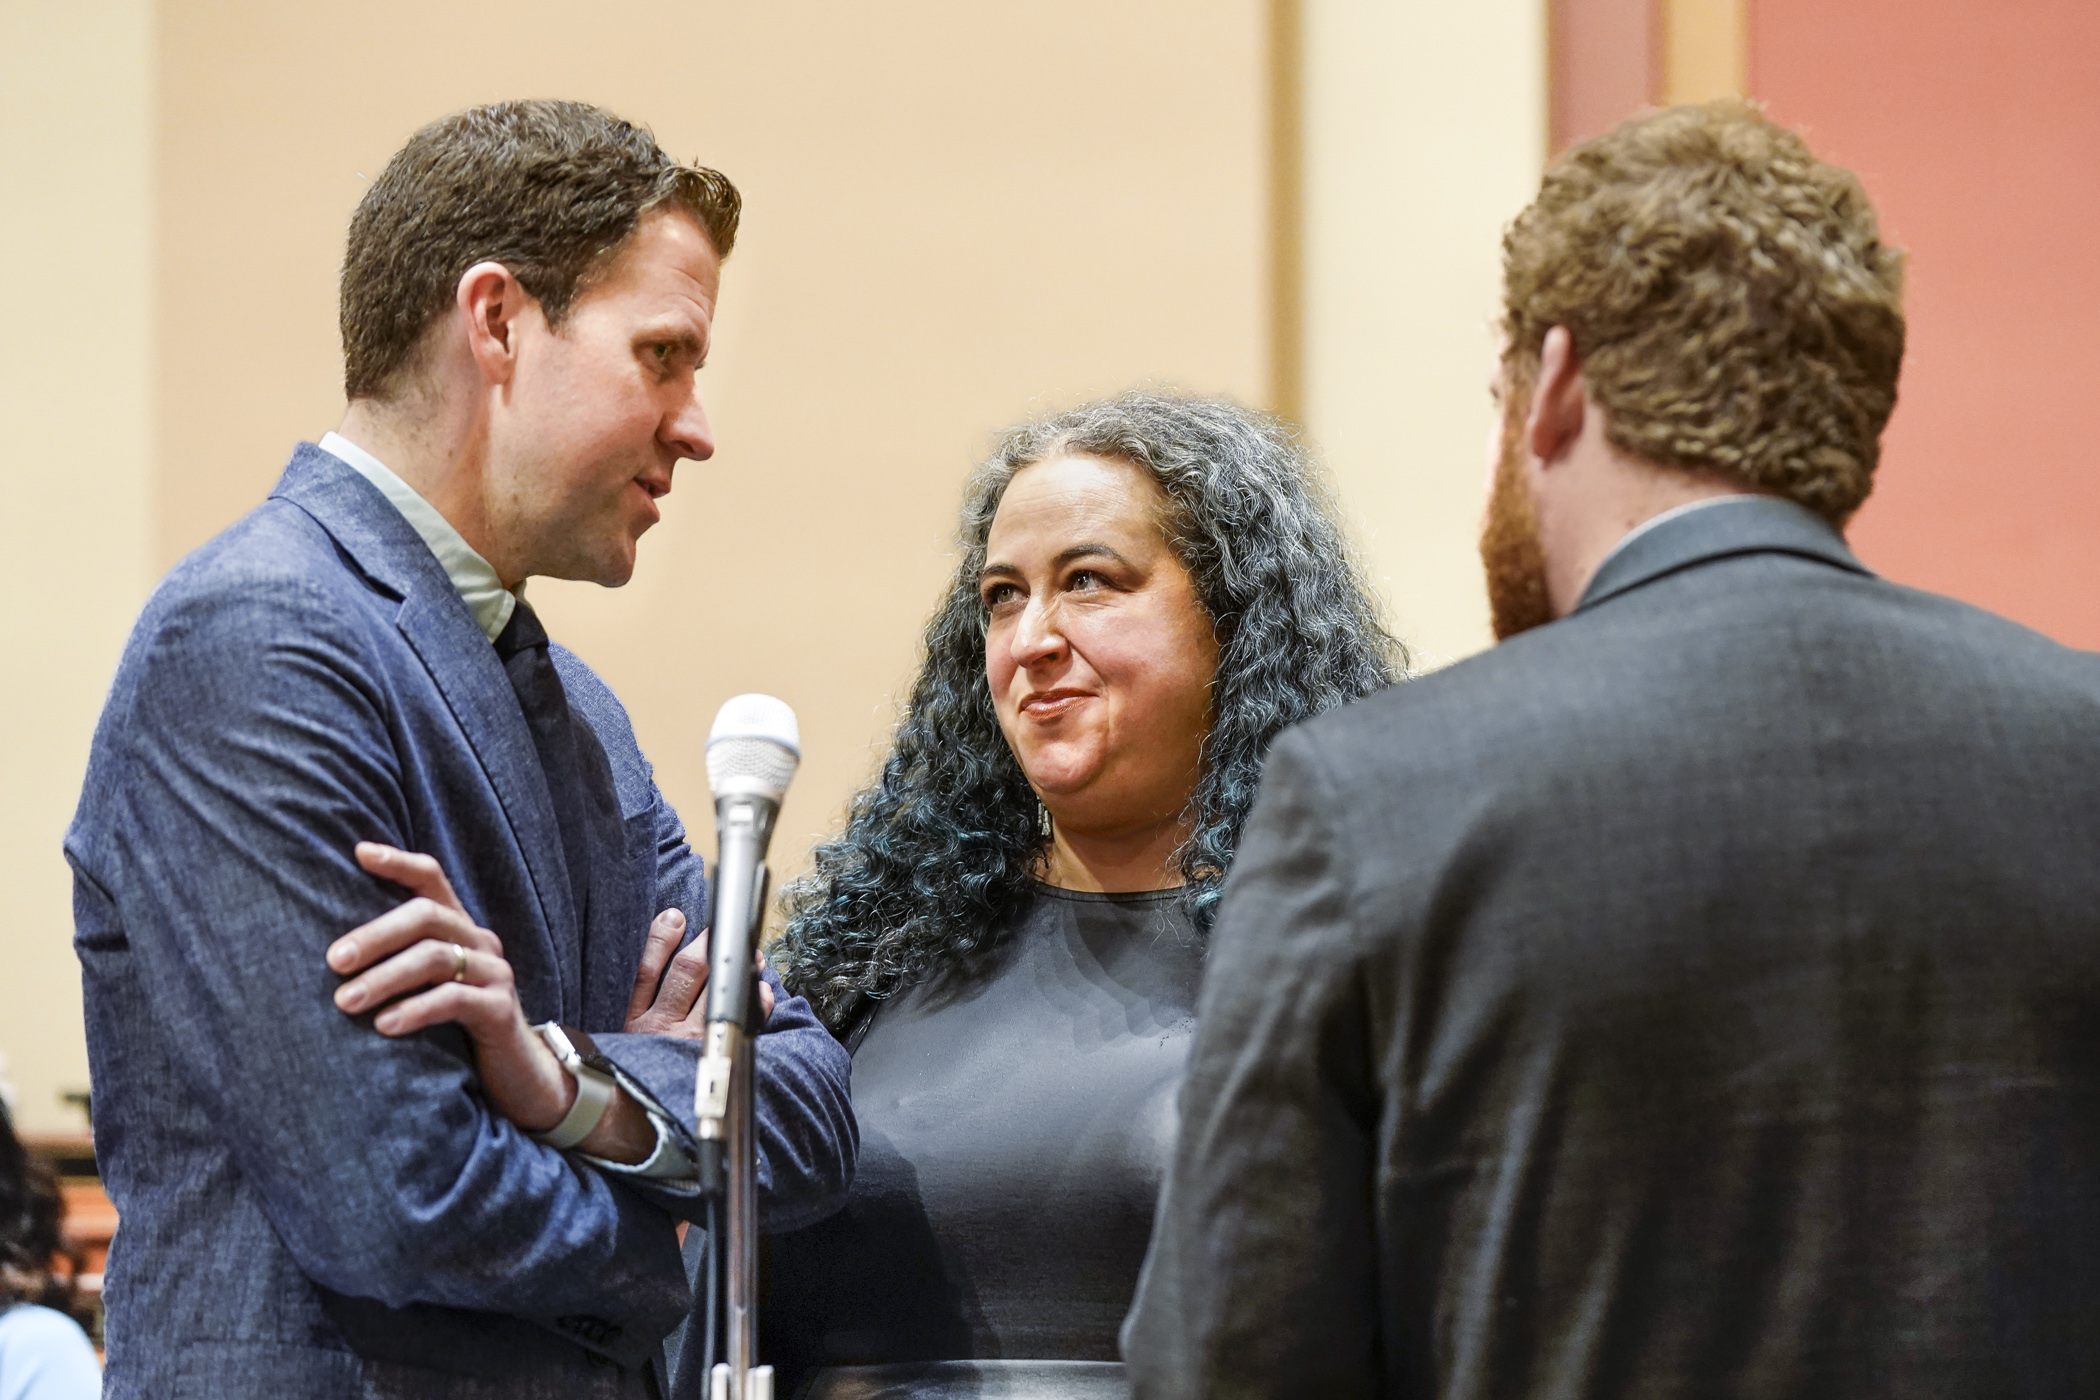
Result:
[
  {"x": 1705, "y": 49},
  {"x": 1423, "y": 126},
  {"x": 1605, "y": 64},
  {"x": 1286, "y": 121},
  {"x": 76, "y": 439},
  {"x": 1611, "y": 58}
]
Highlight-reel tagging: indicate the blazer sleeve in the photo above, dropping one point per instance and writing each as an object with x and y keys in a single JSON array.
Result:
[
  {"x": 808, "y": 1140},
  {"x": 1261, "y": 1280},
  {"x": 802, "y": 1103},
  {"x": 258, "y": 748},
  {"x": 802, "y": 1108}
]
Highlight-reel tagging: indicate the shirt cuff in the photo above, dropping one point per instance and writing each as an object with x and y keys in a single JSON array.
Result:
[{"x": 670, "y": 1167}]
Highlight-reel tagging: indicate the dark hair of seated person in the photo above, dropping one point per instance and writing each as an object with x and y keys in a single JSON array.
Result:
[{"x": 31, "y": 1216}]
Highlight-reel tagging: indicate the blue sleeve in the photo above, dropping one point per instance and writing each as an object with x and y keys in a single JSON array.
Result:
[
  {"x": 45, "y": 1356},
  {"x": 808, "y": 1139},
  {"x": 259, "y": 746}
]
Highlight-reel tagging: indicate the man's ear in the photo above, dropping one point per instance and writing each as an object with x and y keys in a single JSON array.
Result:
[
  {"x": 490, "y": 301},
  {"x": 1559, "y": 399}
]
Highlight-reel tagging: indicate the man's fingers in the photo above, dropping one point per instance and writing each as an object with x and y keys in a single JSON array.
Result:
[
  {"x": 664, "y": 934},
  {"x": 403, "y": 926},
  {"x": 413, "y": 871},
  {"x": 765, "y": 1001},
  {"x": 428, "y": 963},
  {"x": 684, "y": 980},
  {"x": 397, "y": 928},
  {"x": 478, "y": 1010}
]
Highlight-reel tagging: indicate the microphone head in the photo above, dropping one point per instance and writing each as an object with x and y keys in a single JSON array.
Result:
[{"x": 753, "y": 748}]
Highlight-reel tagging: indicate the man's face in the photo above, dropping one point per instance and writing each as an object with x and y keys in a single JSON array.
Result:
[
  {"x": 596, "y": 415},
  {"x": 1509, "y": 538}
]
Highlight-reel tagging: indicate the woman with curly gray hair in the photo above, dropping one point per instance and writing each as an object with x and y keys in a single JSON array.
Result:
[{"x": 1009, "y": 932}]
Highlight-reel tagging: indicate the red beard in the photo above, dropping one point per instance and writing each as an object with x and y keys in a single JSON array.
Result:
[{"x": 1509, "y": 542}]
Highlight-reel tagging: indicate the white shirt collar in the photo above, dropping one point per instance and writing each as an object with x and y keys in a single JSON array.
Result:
[
  {"x": 475, "y": 578},
  {"x": 1671, "y": 514}
]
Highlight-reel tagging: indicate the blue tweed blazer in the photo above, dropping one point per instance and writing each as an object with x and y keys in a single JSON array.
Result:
[{"x": 308, "y": 1207}]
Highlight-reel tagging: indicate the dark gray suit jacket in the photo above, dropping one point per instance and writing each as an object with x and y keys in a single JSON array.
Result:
[{"x": 1699, "y": 996}]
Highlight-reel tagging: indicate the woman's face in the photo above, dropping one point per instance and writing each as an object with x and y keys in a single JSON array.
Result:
[{"x": 1099, "y": 655}]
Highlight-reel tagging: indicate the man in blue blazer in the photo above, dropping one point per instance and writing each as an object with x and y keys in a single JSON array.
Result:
[{"x": 365, "y": 1147}]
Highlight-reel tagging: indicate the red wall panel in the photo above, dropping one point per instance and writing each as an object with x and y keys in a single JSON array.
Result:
[
  {"x": 1605, "y": 64},
  {"x": 1976, "y": 129}
]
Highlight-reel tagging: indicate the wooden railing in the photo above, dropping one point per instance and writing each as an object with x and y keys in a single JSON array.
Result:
[{"x": 91, "y": 1223}]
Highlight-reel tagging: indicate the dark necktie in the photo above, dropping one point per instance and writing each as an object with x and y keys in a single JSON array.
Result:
[{"x": 579, "y": 779}]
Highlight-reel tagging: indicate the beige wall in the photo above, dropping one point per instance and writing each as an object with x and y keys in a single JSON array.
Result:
[
  {"x": 76, "y": 489},
  {"x": 956, "y": 214},
  {"x": 1423, "y": 134}
]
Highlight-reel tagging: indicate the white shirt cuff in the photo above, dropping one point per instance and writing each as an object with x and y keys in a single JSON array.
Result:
[{"x": 670, "y": 1167}]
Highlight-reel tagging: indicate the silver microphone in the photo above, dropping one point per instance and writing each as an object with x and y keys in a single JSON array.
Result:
[
  {"x": 752, "y": 753},
  {"x": 753, "y": 750}
]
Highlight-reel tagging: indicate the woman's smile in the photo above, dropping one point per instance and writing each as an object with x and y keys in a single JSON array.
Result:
[{"x": 1044, "y": 706}]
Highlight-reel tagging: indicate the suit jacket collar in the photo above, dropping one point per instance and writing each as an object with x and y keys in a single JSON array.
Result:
[
  {"x": 1754, "y": 525},
  {"x": 363, "y": 521},
  {"x": 460, "y": 659}
]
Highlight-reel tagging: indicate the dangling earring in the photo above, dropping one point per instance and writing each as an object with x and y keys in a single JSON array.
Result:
[{"x": 1042, "y": 819}]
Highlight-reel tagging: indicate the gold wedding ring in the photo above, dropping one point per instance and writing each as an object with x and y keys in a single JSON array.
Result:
[{"x": 459, "y": 973}]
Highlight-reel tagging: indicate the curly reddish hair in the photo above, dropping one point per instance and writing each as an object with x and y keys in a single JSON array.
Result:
[{"x": 1733, "y": 306}]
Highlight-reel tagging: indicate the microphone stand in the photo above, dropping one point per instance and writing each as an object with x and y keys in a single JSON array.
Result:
[
  {"x": 724, "y": 1098},
  {"x": 753, "y": 749},
  {"x": 745, "y": 1378}
]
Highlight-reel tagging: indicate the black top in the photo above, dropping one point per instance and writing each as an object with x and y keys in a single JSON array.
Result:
[
  {"x": 1015, "y": 1121},
  {"x": 1698, "y": 996}
]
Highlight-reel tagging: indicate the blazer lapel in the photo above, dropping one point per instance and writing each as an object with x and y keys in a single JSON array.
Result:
[
  {"x": 474, "y": 684},
  {"x": 464, "y": 667}
]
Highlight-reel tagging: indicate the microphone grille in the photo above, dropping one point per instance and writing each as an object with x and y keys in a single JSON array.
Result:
[
  {"x": 755, "y": 766},
  {"x": 753, "y": 748}
]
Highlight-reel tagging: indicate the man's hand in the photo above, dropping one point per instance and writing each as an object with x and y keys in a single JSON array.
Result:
[
  {"x": 426, "y": 963},
  {"x": 668, "y": 984}
]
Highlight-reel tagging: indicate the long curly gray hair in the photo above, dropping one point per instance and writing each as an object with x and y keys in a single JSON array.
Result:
[{"x": 938, "y": 851}]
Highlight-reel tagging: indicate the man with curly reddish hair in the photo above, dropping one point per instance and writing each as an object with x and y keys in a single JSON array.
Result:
[{"x": 1694, "y": 994}]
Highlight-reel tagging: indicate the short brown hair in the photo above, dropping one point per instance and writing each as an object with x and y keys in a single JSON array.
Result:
[
  {"x": 1734, "y": 308},
  {"x": 551, "y": 190}
]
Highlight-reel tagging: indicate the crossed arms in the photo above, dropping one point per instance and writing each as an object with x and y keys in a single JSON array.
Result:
[{"x": 257, "y": 737}]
